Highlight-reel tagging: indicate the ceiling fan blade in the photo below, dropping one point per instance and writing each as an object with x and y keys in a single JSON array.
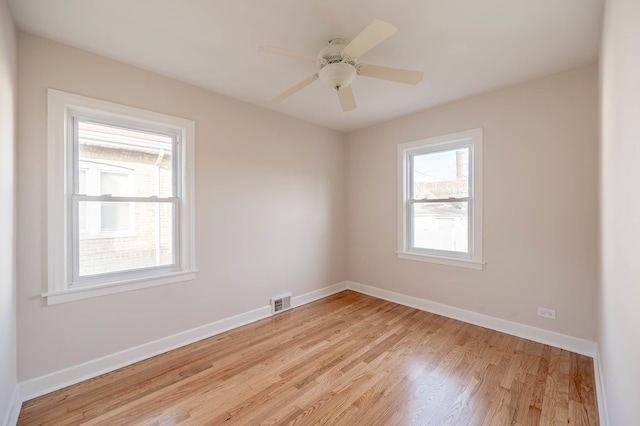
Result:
[
  {"x": 388, "y": 73},
  {"x": 347, "y": 101},
  {"x": 374, "y": 34},
  {"x": 293, "y": 89},
  {"x": 287, "y": 52}
]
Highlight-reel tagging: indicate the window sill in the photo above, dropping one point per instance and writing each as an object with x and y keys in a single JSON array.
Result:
[
  {"x": 449, "y": 261},
  {"x": 69, "y": 295}
]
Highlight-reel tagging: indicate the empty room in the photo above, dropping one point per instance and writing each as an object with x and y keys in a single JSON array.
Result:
[{"x": 319, "y": 213}]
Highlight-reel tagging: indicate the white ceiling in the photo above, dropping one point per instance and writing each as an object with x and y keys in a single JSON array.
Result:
[{"x": 464, "y": 47}]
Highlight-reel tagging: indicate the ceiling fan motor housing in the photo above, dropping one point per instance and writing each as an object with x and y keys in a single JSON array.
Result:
[{"x": 335, "y": 70}]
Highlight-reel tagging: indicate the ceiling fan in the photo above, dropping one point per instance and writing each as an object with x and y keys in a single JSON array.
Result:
[{"x": 339, "y": 64}]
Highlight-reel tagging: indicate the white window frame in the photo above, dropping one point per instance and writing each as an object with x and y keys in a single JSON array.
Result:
[
  {"x": 61, "y": 107},
  {"x": 468, "y": 138}
]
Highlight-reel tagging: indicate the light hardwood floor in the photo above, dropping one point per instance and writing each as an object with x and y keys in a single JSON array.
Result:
[{"x": 348, "y": 359}]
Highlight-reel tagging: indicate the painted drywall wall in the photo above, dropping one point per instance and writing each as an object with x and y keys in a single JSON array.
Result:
[
  {"x": 540, "y": 204},
  {"x": 269, "y": 211},
  {"x": 8, "y": 86},
  {"x": 619, "y": 323}
]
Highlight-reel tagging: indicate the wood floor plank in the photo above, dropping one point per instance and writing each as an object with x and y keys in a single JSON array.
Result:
[{"x": 343, "y": 360}]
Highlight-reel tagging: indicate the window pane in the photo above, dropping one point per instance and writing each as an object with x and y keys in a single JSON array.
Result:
[
  {"x": 82, "y": 184},
  {"x": 441, "y": 174},
  {"x": 441, "y": 226},
  {"x": 130, "y": 162},
  {"x": 115, "y": 183},
  {"x": 148, "y": 242},
  {"x": 115, "y": 216}
]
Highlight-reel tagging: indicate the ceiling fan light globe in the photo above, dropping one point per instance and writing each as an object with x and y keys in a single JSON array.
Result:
[{"x": 337, "y": 75}]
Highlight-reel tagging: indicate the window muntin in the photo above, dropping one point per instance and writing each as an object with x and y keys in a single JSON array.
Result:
[{"x": 440, "y": 199}]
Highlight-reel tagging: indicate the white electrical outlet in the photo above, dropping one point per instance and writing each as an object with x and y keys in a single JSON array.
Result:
[{"x": 547, "y": 313}]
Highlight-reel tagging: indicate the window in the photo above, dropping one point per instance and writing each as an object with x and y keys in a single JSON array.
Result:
[
  {"x": 440, "y": 199},
  {"x": 120, "y": 198}
]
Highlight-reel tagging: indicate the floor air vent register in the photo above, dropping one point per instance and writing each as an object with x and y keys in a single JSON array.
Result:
[{"x": 280, "y": 303}]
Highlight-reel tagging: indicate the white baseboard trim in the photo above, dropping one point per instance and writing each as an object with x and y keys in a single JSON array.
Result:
[
  {"x": 600, "y": 393},
  {"x": 42, "y": 385},
  {"x": 10, "y": 418},
  {"x": 38, "y": 386},
  {"x": 562, "y": 341},
  {"x": 312, "y": 296}
]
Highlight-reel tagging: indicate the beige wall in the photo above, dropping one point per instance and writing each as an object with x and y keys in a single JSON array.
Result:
[
  {"x": 8, "y": 64},
  {"x": 270, "y": 208},
  {"x": 540, "y": 204},
  {"x": 269, "y": 211},
  {"x": 619, "y": 325}
]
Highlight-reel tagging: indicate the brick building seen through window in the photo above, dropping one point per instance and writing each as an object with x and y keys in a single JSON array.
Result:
[{"x": 116, "y": 236}]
